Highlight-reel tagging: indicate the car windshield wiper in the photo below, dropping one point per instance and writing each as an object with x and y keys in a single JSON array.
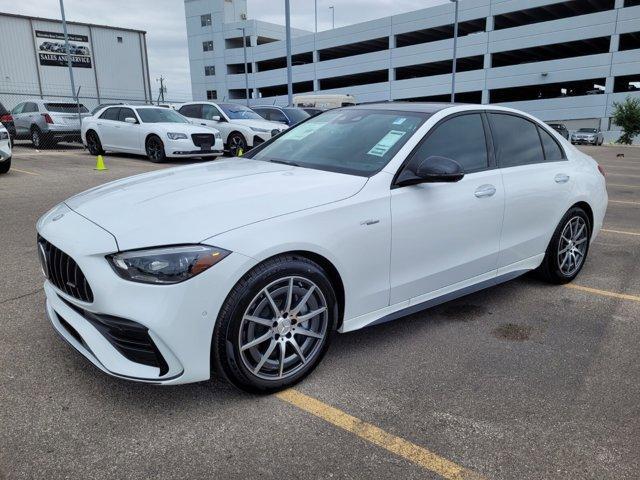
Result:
[{"x": 284, "y": 162}]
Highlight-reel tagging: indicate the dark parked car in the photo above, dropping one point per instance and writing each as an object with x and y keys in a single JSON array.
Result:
[
  {"x": 287, "y": 115},
  {"x": 561, "y": 128},
  {"x": 7, "y": 121}
]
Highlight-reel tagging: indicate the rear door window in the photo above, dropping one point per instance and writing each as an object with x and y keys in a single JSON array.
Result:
[
  {"x": 516, "y": 140},
  {"x": 278, "y": 116},
  {"x": 209, "y": 111},
  {"x": 126, "y": 113},
  {"x": 110, "y": 113},
  {"x": 191, "y": 111},
  {"x": 552, "y": 151}
]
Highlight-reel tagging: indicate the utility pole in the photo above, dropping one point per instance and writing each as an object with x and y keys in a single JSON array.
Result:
[
  {"x": 287, "y": 14},
  {"x": 455, "y": 52},
  {"x": 333, "y": 16},
  {"x": 68, "y": 50},
  {"x": 162, "y": 89}
]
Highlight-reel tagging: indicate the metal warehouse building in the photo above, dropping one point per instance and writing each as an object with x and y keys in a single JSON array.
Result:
[
  {"x": 109, "y": 63},
  {"x": 560, "y": 60}
]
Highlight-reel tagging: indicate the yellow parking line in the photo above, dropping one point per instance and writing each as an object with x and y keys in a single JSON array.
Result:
[
  {"x": 604, "y": 293},
  {"x": 626, "y": 202},
  {"x": 24, "y": 171},
  {"x": 621, "y": 232},
  {"x": 396, "y": 445},
  {"x": 620, "y": 185}
]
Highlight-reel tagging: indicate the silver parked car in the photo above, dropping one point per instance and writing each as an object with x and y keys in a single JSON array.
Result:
[
  {"x": 591, "y": 136},
  {"x": 48, "y": 122}
]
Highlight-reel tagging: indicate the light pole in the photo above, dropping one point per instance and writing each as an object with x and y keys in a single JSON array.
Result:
[
  {"x": 67, "y": 49},
  {"x": 315, "y": 48},
  {"x": 333, "y": 16},
  {"x": 455, "y": 52},
  {"x": 287, "y": 14},
  {"x": 246, "y": 72}
]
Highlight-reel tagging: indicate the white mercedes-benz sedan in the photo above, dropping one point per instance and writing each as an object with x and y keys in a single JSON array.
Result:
[
  {"x": 357, "y": 216},
  {"x": 159, "y": 133}
]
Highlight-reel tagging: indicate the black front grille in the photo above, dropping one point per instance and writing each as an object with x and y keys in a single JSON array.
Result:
[
  {"x": 130, "y": 338},
  {"x": 63, "y": 271},
  {"x": 200, "y": 139}
]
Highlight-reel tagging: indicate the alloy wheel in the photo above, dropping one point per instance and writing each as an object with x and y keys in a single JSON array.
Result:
[
  {"x": 35, "y": 138},
  {"x": 572, "y": 246},
  {"x": 283, "y": 328},
  {"x": 154, "y": 149},
  {"x": 235, "y": 144}
]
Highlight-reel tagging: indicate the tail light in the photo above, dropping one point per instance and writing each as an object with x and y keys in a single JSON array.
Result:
[
  {"x": 6, "y": 118},
  {"x": 601, "y": 170},
  {"x": 47, "y": 118}
]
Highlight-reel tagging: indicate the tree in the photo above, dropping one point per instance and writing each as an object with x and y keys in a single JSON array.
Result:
[{"x": 627, "y": 116}]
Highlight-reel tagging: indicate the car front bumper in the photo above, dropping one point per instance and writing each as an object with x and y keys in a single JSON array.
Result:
[
  {"x": 5, "y": 150},
  {"x": 584, "y": 141},
  {"x": 179, "y": 319},
  {"x": 186, "y": 148}
]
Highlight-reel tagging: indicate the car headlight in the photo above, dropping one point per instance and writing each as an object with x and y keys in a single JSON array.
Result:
[
  {"x": 176, "y": 135},
  {"x": 166, "y": 265},
  {"x": 4, "y": 135},
  {"x": 261, "y": 130}
]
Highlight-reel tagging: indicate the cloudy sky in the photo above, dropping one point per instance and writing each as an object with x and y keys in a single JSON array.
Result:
[{"x": 165, "y": 25}]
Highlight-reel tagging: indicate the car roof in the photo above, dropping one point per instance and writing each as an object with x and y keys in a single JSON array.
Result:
[{"x": 420, "y": 107}]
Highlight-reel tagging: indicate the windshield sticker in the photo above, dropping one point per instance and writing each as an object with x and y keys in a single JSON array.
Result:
[
  {"x": 399, "y": 121},
  {"x": 386, "y": 143},
  {"x": 304, "y": 130}
]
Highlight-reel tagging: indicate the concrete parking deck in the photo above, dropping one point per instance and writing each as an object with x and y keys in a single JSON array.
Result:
[{"x": 521, "y": 381}]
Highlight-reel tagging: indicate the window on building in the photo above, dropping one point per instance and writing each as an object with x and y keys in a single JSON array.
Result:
[
  {"x": 554, "y": 11},
  {"x": 516, "y": 140},
  {"x": 461, "y": 97},
  {"x": 345, "y": 81},
  {"x": 207, "y": 46},
  {"x": 442, "y": 32},
  {"x": 212, "y": 94},
  {"x": 627, "y": 83},
  {"x": 351, "y": 49},
  {"x": 119, "y": 39},
  {"x": 281, "y": 62},
  {"x": 631, "y": 3},
  {"x": 629, "y": 41},
  {"x": 571, "y": 88},
  {"x": 236, "y": 68},
  {"x": 205, "y": 20},
  {"x": 209, "y": 70},
  {"x": 442, "y": 67}
]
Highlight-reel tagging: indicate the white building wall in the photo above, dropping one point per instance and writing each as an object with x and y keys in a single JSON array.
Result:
[{"x": 588, "y": 109}]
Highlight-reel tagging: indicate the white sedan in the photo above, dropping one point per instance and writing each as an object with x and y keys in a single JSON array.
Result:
[
  {"x": 159, "y": 133},
  {"x": 241, "y": 127},
  {"x": 5, "y": 150},
  {"x": 358, "y": 216}
]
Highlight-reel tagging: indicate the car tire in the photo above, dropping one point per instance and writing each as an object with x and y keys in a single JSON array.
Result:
[
  {"x": 5, "y": 166},
  {"x": 93, "y": 143},
  {"x": 38, "y": 140},
  {"x": 568, "y": 248},
  {"x": 155, "y": 149},
  {"x": 248, "y": 315},
  {"x": 235, "y": 142}
]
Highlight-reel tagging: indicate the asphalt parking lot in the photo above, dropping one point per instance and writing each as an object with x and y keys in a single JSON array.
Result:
[{"x": 522, "y": 381}]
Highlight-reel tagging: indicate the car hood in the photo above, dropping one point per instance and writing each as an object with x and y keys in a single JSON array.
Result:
[
  {"x": 266, "y": 124},
  {"x": 190, "y": 204}
]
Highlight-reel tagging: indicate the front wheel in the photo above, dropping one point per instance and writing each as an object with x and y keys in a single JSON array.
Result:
[
  {"x": 236, "y": 143},
  {"x": 568, "y": 248},
  {"x": 5, "y": 166},
  {"x": 276, "y": 325},
  {"x": 155, "y": 150}
]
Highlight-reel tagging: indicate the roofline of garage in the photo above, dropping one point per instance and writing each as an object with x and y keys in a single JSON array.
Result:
[{"x": 28, "y": 17}]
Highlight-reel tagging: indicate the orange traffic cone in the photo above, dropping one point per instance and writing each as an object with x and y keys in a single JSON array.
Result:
[{"x": 100, "y": 164}]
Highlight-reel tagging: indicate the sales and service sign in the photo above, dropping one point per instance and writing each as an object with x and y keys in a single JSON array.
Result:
[{"x": 52, "y": 50}]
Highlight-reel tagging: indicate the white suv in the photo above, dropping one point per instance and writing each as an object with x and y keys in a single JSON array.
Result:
[
  {"x": 5, "y": 150},
  {"x": 241, "y": 128}
]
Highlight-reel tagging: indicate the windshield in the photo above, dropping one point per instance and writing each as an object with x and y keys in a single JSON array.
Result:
[
  {"x": 65, "y": 108},
  {"x": 588, "y": 130},
  {"x": 160, "y": 115},
  {"x": 239, "y": 112},
  {"x": 353, "y": 141},
  {"x": 296, "y": 114}
]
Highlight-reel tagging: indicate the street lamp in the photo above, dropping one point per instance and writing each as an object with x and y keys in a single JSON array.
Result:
[
  {"x": 455, "y": 52},
  {"x": 246, "y": 73},
  {"x": 333, "y": 16}
]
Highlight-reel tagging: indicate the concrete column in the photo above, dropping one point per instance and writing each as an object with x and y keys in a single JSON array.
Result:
[
  {"x": 392, "y": 73},
  {"x": 487, "y": 61},
  {"x": 316, "y": 82}
]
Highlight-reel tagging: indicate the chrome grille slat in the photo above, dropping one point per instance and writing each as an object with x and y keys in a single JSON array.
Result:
[{"x": 64, "y": 273}]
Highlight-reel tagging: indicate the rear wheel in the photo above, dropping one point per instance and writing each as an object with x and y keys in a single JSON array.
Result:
[
  {"x": 235, "y": 143},
  {"x": 93, "y": 143},
  {"x": 5, "y": 166},
  {"x": 276, "y": 325},
  {"x": 568, "y": 248},
  {"x": 155, "y": 149},
  {"x": 37, "y": 139}
]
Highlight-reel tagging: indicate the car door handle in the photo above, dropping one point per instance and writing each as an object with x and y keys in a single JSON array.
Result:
[
  {"x": 203, "y": 124},
  {"x": 485, "y": 191},
  {"x": 561, "y": 178}
]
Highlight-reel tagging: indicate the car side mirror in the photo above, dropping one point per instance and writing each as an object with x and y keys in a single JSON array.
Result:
[
  {"x": 434, "y": 169},
  {"x": 130, "y": 120},
  {"x": 215, "y": 118}
]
